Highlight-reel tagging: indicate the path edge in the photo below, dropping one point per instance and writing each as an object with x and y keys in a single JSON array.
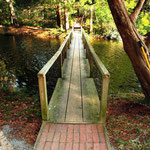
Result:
[
  {"x": 107, "y": 138},
  {"x": 39, "y": 135}
]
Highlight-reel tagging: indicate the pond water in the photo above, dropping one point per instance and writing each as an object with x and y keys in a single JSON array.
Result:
[
  {"x": 21, "y": 58},
  {"x": 123, "y": 78}
]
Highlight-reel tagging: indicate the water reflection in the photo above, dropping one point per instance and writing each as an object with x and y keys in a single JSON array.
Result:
[
  {"x": 123, "y": 78},
  {"x": 21, "y": 57}
]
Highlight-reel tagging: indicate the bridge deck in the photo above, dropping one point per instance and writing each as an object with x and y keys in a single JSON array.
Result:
[
  {"x": 74, "y": 109},
  {"x": 75, "y": 98}
]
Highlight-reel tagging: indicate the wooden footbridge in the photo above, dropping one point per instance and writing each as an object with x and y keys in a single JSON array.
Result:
[{"x": 75, "y": 100}]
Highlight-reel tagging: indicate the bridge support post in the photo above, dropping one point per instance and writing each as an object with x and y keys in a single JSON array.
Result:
[
  {"x": 103, "y": 102},
  {"x": 43, "y": 97},
  {"x": 91, "y": 66},
  {"x": 59, "y": 65}
]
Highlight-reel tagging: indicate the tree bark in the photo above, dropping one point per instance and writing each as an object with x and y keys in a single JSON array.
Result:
[
  {"x": 66, "y": 17},
  {"x": 137, "y": 10},
  {"x": 59, "y": 21},
  {"x": 130, "y": 39},
  {"x": 12, "y": 12},
  {"x": 91, "y": 19}
]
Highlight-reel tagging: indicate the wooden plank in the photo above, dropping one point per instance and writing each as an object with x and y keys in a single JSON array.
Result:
[
  {"x": 84, "y": 63},
  {"x": 57, "y": 105},
  {"x": 91, "y": 103},
  {"x": 72, "y": 46},
  {"x": 58, "y": 102},
  {"x": 85, "y": 68},
  {"x": 74, "y": 109},
  {"x": 66, "y": 69},
  {"x": 83, "y": 53}
]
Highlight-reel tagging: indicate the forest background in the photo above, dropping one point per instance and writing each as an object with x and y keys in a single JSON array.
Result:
[{"x": 95, "y": 15}]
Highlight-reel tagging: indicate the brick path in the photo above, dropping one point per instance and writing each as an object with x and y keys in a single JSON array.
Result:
[{"x": 72, "y": 137}]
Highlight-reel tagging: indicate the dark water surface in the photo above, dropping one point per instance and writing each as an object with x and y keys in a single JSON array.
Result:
[
  {"x": 21, "y": 58},
  {"x": 123, "y": 78}
]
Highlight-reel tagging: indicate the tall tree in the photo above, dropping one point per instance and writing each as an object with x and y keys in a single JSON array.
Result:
[
  {"x": 59, "y": 20},
  {"x": 91, "y": 4},
  {"x": 91, "y": 19},
  {"x": 125, "y": 23},
  {"x": 12, "y": 12},
  {"x": 66, "y": 16}
]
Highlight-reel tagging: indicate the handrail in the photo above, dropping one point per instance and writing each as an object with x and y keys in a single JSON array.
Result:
[
  {"x": 42, "y": 76},
  {"x": 105, "y": 76},
  {"x": 99, "y": 64},
  {"x": 49, "y": 64}
]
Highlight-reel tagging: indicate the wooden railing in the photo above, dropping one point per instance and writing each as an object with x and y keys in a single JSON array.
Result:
[
  {"x": 59, "y": 55},
  {"x": 105, "y": 75}
]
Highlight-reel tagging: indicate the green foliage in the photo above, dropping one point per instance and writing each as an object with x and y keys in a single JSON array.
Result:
[
  {"x": 4, "y": 13},
  {"x": 43, "y": 13},
  {"x": 39, "y": 15},
  {"x": 143, "y": 23},
  {"x": 130, "y": 5},
  {"x": 104, "y": 21}
]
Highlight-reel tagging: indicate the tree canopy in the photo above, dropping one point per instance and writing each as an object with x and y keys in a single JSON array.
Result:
[{"x": 43, "y": 13}]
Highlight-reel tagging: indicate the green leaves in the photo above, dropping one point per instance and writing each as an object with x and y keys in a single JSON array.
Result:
[
  {"x": 143, "y": 23},
  {"x": 43, "y": 13}
]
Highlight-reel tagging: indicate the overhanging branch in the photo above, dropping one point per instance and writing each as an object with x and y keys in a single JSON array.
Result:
[{"x": 137, "y": 10}]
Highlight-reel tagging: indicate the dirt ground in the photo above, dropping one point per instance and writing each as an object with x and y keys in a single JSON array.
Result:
[
  {"x": 20, "y": 119},
  {"x": 128, "y": 124},
  {"x": 38, "y": 32}
]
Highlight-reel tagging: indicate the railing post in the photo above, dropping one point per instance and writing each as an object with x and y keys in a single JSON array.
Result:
[
  {"x": 61, "y": 64},
  {"x": 103, "y": 102},
  {"x": 65, "y": 50},
  {"x": 43, "y": 96},
  {"x": 68, "y": 42},
  {"x": 91, "y": 65},
  {"x": 85, "y": 46}
]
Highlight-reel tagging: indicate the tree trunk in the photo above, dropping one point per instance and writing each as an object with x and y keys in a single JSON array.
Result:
[
  {"x": 91, "y": 19},
  {"x": 59, "y": 21},
  {"x": 79, "y": 14},
  {"x": 66, "y": 18},
  {"x": 130, "y": 39},
  {"x": 12, "y": 11}
]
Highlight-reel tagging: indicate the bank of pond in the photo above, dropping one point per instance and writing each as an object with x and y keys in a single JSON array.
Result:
[{"x": 21, "y": 57}]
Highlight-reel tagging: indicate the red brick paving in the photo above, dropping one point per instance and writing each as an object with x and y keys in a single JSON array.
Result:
[{"x": 72, "y": 137}]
